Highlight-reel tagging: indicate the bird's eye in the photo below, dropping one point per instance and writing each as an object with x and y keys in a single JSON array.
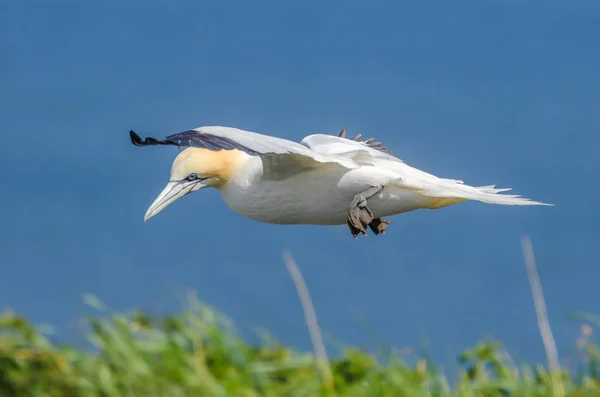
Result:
[{"x": 192, "y": 177}]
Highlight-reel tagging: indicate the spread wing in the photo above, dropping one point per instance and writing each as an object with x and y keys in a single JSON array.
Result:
[{"x": 281, "y": 158}]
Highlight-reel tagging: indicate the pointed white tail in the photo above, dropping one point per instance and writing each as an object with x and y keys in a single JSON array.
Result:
[{"x": 486, "y": 194}]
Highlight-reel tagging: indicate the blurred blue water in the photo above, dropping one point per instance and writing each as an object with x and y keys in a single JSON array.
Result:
[{"x": 500, "y": 93}]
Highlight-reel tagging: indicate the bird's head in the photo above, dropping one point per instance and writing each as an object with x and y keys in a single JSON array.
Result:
[{"x": 194, "y": 169}]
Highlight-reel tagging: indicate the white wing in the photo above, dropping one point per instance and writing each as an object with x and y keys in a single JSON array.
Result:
[
  {"x": 330, "y": 145},
  {"x": 410, "y": 178}
]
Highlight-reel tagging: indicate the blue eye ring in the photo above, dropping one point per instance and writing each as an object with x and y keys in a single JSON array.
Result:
[{"x": 192, "y": 177}]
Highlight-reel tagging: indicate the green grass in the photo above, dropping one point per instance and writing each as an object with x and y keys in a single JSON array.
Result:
[{"x": 199, "y": 353}]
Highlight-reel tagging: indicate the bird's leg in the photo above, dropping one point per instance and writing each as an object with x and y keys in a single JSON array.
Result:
[{"x": 360, "y": 216}]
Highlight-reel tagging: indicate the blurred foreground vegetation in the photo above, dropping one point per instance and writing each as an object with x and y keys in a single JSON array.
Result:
[{"x": 198, "y": 353}]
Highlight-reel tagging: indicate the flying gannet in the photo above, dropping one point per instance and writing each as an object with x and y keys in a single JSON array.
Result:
[{"x": 323, "y": 180}]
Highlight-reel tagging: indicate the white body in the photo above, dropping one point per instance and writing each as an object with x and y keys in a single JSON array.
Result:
[
  {"x": 322, "y": 196},
  {"x": 315, "y": 197}
]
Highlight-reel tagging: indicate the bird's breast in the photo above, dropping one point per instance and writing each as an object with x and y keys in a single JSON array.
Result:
[{"x": 309, "y": 198}]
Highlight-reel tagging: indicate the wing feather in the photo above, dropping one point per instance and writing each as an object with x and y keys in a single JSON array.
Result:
[
  {"x": 275, "y": 152},
  {"x": 368, "y": 142},
  {"x": 362, "y": 152}
]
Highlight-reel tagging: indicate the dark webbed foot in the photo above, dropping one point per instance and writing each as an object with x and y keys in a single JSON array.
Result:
[
  {"x": 355, "y": 230},
  {"x": 360, "y": 216},
  {"x": 379, "y": 225},
  {"x": 358, "y": 220}
]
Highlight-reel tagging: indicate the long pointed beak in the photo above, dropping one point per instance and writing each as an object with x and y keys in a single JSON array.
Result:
[{"x": 170, "y": 193}]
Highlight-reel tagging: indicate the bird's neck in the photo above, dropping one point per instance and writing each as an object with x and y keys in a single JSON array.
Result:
[{"x": 244, "y": 173}]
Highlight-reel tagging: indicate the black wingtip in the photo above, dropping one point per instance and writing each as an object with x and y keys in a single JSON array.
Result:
[
  {"x": 135, "y": 138},
  {"x": 138, "y": 141}
]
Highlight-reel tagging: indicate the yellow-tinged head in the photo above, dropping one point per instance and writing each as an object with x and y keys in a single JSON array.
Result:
[{"x": 194, "y": 169}]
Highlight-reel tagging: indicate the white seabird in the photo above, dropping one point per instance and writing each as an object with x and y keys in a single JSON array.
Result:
[{"x": 323, "y": 180}]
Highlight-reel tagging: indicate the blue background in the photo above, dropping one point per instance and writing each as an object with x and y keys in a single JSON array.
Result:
[{"x": 493, "y": 92}]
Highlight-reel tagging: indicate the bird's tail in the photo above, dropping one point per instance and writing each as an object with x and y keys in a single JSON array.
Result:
[
  {"x": 486, "y": 194},
  {"x": 450, "y": 191}
]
